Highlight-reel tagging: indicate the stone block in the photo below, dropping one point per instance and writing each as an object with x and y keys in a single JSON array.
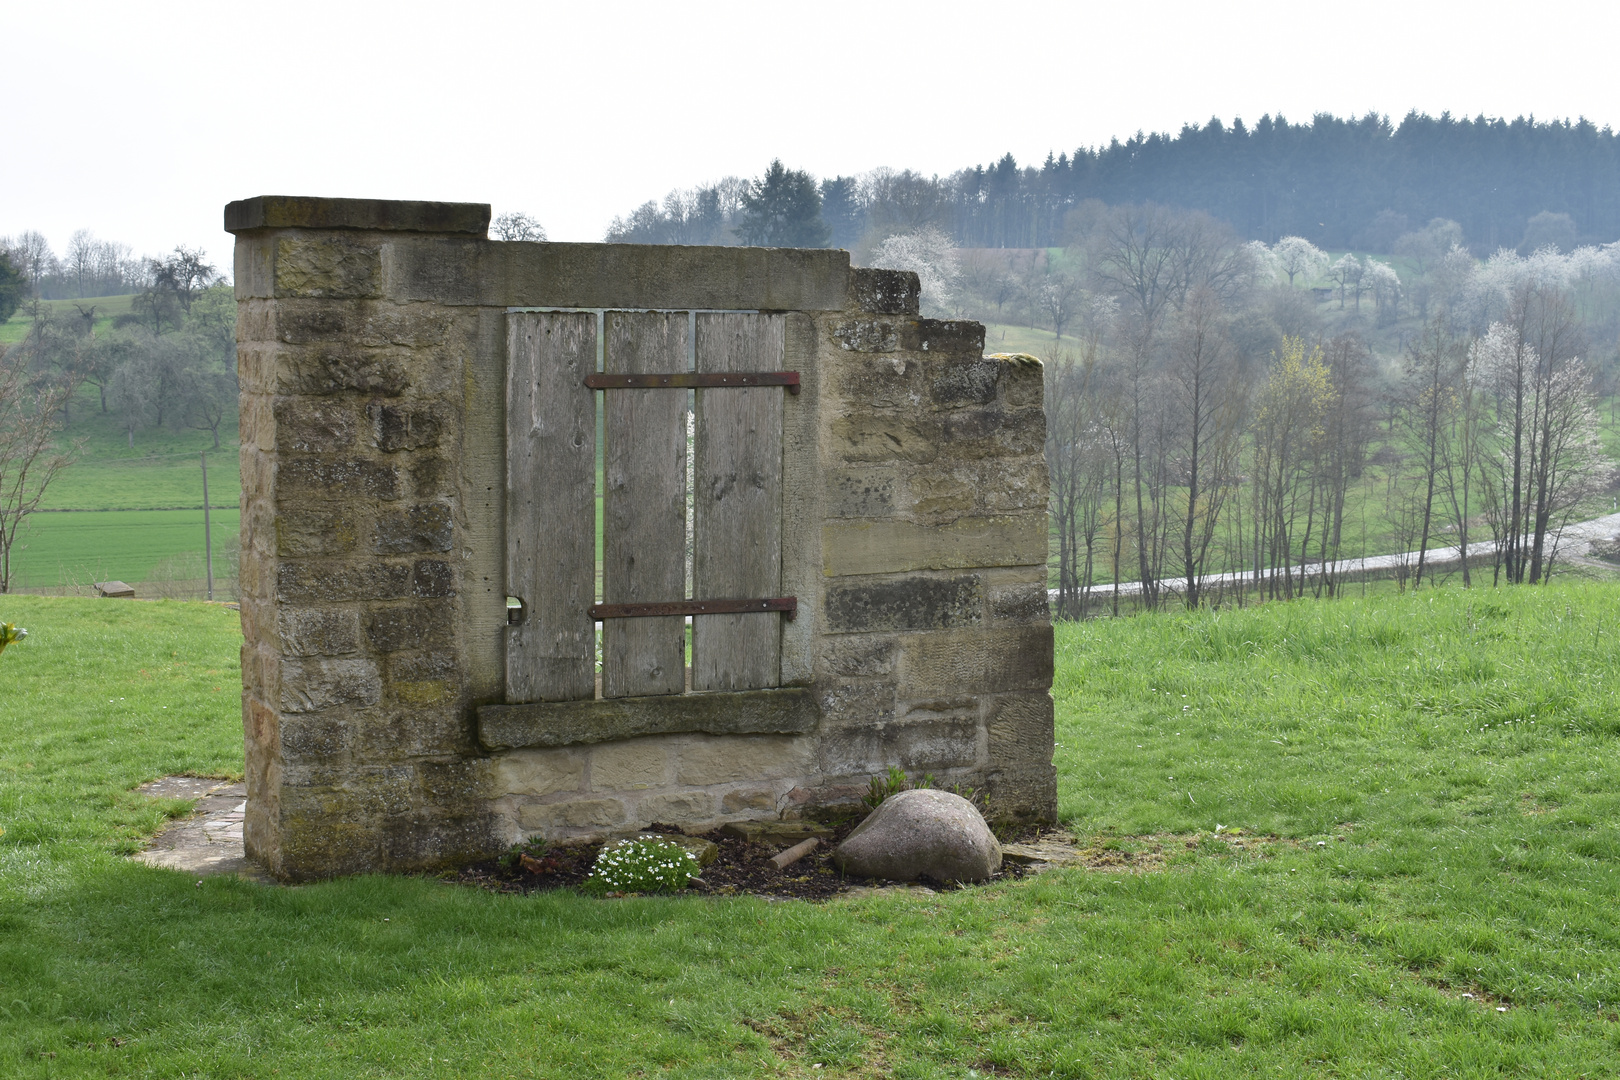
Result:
[
  {"x": 314, "y": 738},
  {"x": 327, "y": 266},
  {"x": 630, "y": 766},
  {"x": 432, "y": 477},
  {"x": 955, "y": 339},
  {"x": 563, "y": 723},
  {"x": 538, "y": 773},
  {"x": 305, "y": 632},
  {"x": 371, "y": 215},
  {"x": 987, "y": 661},
  {"x": 677, "y": 807},
  {"x": 926, "y": 746},
  {"x": 370, "y": 325},
  {"x": 861, "y": 656},
  {"x": 867, "y": 335},
  {"x": 313, "y": 684},
  {"x": 410, "y": 732},
  {"x": 420, "y": 528},
  {"x": 869, "y": 701},
  {"x": 1023, "y": 381},
  {"x": 1021, "y": 730},
  {"x": 447, "y": 271},
  {"x": 909, "y": 603},
  {"x": 861, "y": 437},
  {"x": 705, "y": 760},
  {"x": 1015, "y": 796},
  {"x": 432, "y": 838},
  {"x": 1025, "y": 602},
  {"x": 305, "y": 531},
  {"x": 884, "y": 292},
  {"x": 405, "y": 427},
  {"x": 301, "y": 479},
  {"x": 748, "y": 801},
  {"x": 313, "y": 426},
  {"x": 425, "y": 678},
  {"x": 331, "y": 582},
  {"x": 419, "y": 626},
  {"x": 883, "y": 382},
  {"x": 347, "y": 793},
  {"x": 339, "y": 369},
  {"x": 573, "y": 814},
  {"x": 432, "y": 577},
  {"x": 850, "y": 548},
  {"x": 983, "y": 487},
  {"x": 862, "y": 493},
  {"x": 956, "y": 385},
  {"x": 460, "y": 783}
]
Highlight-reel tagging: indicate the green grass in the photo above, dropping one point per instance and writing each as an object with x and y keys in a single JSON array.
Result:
[
  {"x": 78, "y": 548},
  {"x": 106, "y": 308},
  {"x": 1433, "y": 842}
]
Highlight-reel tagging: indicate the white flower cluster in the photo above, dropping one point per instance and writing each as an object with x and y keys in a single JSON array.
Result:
[{"x": 646, "y": 864}]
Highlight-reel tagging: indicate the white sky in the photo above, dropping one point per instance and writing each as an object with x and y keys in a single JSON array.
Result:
[{"x": 140, "y": 121}]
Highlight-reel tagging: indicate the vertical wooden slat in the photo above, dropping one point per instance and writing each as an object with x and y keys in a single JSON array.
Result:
[
  {"x": 644, "y": 505},
  {"x": 737, "y": 540},
  {"x": 551, "y": 504}
]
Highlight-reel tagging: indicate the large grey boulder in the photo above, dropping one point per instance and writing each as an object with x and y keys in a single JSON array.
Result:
[{"x": 921, "y": 833}]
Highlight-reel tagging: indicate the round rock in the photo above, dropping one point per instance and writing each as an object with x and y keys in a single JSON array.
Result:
[{"x": 921, "y": 833}]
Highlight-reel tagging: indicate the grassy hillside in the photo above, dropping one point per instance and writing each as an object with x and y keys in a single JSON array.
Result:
[
  {"x": 103, "y": 309},
  {"x": 1367, "y": 838}
]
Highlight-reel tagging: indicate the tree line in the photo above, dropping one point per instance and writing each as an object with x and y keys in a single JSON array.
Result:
[
  {"x": 1341, "y": 183},
  {"x": 1207, "y": 434}
]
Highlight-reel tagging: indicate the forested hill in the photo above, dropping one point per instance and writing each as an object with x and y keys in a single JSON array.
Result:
[
  {"x": 1340, "y": 183},
  {"x": 1328, "y": 180}
]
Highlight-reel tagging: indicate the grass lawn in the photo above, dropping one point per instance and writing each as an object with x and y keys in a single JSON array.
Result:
[
  {"x": 1440, "y": 770},
  {"x": 79, "y": 548}
]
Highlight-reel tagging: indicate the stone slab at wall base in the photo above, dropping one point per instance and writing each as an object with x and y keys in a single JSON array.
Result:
[{"x": 372, "y": 352}]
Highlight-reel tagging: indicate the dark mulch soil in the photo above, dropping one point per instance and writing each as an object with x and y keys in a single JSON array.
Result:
[{"x": 742, "y": 869}]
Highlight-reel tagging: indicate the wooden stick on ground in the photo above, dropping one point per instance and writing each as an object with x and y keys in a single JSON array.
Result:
[{"x": 784, "y": 859}]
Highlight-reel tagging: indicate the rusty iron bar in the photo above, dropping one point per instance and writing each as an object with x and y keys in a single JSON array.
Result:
[
  {"x": 787, "y": 605},
  {"x": 688, "y": 380}
]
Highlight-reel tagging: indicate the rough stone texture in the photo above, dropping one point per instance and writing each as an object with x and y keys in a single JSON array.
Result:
[
  {"x": 371, "y": 350},
  {"x": 921, "y": 833}
]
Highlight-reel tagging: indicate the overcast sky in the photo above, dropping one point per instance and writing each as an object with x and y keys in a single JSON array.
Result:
[{"x": 140, "y": 121}]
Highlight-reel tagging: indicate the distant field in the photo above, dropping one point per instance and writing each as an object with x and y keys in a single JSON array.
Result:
[
  {"x": 57, "y": 549},
  {"x": 106, "y": 308}
]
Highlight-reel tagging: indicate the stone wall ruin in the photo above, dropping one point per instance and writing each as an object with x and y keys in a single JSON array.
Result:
[{"x": 373, "y": 352}]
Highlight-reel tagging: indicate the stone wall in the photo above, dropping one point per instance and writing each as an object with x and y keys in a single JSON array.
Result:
[{"x": 372, "y": 351}]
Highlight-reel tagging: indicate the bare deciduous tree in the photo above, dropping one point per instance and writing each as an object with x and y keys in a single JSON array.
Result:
[{"x": 31, "y": 406}]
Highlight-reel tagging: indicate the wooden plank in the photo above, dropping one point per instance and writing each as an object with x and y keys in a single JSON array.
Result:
[
  {"x": 551, "y": 504},
  {"x": 644, "y": 505},
  {"x": 737, "y": 535}
]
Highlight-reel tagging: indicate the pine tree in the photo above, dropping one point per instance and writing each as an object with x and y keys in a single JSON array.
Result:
[{"x": 783, "y": 209}]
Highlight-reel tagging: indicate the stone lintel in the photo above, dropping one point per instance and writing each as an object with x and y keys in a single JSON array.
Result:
[
  {"x": 377, "y": 215},
  {"x": 494, "y": 273},
  {"x": 788, "y": 711}
]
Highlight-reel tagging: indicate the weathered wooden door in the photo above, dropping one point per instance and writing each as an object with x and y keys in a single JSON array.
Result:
[{"x": 673, "y": 383}]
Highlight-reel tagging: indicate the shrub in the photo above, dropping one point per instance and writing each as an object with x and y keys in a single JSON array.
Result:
[{"x": 645, "y": 864}]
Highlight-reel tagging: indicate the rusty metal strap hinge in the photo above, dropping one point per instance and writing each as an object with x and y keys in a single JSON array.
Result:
[
  {"x": 787, "y": 605},
  {"x": 701, "y": 380}
]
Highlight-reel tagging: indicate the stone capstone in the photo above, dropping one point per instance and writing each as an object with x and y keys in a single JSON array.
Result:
[{"x": 921, "y": 833}]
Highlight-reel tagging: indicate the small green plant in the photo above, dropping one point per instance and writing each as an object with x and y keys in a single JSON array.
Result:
[
  {"x": 10, "y": 632},
  {"x": 894, "y": 781},
  {"x": 643, "y": 865},
  {"x": 883, "y": 785},
  {"x": 527, "y": 852}
]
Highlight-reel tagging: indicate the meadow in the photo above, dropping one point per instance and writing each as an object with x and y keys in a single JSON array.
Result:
[{"x": 1423, "y": 791}]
